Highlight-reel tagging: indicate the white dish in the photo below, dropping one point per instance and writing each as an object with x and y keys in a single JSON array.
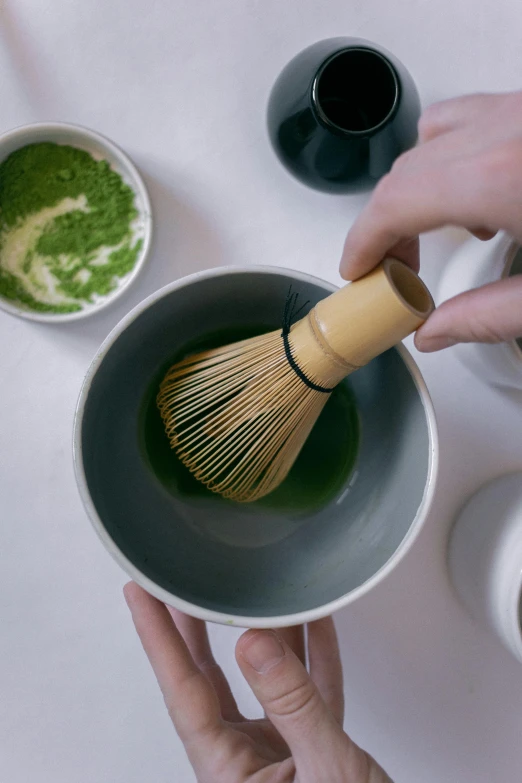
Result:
[
  {"x": 100, "y": 148},
  {"x": 485, "y": 558},
  {"x": 476, "y": 264}
]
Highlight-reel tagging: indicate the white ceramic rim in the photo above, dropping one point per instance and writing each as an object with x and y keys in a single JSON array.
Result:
[
  {"x": 509, "y": 586},
  {"x": 515, "y": 621},
  {"x": 126, "y": 163},
  {"x": 211, "y": 615},
  {"x": 364, "y": 46},
  {"x": 511, "y": 252}
]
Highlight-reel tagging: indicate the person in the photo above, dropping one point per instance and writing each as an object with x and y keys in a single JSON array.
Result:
[{"x": 466, "y": 171}]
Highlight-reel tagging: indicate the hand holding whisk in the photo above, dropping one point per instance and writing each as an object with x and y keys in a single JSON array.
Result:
[{"x": 239, "y": 415}]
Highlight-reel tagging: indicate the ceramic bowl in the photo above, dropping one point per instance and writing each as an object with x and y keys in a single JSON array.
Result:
[
  {"x": 243, "y": 564},
  {"x": 476, "y": 264},
  {"x": 485, "y": 559},
  {"x": 100, "y": 148}
]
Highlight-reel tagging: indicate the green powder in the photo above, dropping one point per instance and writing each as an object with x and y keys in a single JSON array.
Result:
[{"x": 66, "y": 228}]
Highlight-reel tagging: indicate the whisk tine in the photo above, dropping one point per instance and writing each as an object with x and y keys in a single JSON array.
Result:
[
  {"x": 235, "y": 445},
  {"x": 247, "y": 392},
  {"x": 230, "y": 411},
  {"x": 235, "y": 414},
  {"x": 233, "y": 459},
  {"x": 180, "y": 389}
]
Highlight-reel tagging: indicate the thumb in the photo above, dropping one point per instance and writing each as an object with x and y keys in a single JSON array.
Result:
[
  {"x": 292, "y": 702},
  {"x": 491, "y": 314}
]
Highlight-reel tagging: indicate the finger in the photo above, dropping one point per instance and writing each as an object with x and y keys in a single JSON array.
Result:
[
  {"x": 490, "y": 314},
  {"x": 396, "y": 212},
  {"x": 407, "y": 250},
  {"x": 404, "y": 206},
  {"x": 325, "y": 665},
  {"x": 190, "y": 699},
  {"x": 483, "y": 234},
  {"x": 445, "y": 116},
  {"x": 289, "y": 697},
  {"x": 294, "y": 637},
  {"x": 195, "y": 636}
]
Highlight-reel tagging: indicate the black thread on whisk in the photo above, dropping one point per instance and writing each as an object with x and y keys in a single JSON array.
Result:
[{"x": 289, "y": 314}]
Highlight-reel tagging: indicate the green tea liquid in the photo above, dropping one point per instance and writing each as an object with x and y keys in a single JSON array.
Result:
[{"x": 319, "y": 474}]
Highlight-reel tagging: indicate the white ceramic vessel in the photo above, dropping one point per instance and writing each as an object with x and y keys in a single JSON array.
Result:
[
  {"x": 476, "y": 264},
  {"x": 100, "y": 148},
  {"x": 235, "y": 563},
  {"x": 485, "y": 558}
]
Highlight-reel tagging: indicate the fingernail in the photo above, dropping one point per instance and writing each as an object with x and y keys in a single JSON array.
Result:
[
  {"x": 344, "y": 270},
  {"x": 347, "y": 266},
  {"x": 438, "y": 343},
  {"x": 263, "y": 651}
]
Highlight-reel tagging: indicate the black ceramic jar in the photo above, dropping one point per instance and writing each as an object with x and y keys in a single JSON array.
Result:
[{"x": 340, "y": 113}]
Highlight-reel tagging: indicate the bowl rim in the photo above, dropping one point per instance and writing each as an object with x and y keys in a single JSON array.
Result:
[
  {"x": 139, "y": 186},
  {"x": 211, "y": 615},
  {"x": 315, "y": 86}
]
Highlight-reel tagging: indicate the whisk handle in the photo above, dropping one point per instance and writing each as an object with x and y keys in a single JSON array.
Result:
[{"x": 365, "y": 318}]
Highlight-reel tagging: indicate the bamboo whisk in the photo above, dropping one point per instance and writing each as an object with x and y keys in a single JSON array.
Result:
[{"x": 239, "y": 415}]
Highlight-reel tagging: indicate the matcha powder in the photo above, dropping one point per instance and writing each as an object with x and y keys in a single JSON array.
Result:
[{"x": 66, "y": 228}]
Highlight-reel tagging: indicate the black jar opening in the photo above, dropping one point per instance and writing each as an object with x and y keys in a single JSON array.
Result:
[{"x": 355, "y": 91}]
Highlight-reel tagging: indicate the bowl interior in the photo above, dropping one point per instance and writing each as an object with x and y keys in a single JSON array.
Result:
[
  {"x": 240, "y": 559},
  {"x": 100, "y": 148}
]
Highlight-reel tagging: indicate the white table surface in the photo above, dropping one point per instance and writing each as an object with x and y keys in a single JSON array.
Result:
[{"x": 181, "y": 85}]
